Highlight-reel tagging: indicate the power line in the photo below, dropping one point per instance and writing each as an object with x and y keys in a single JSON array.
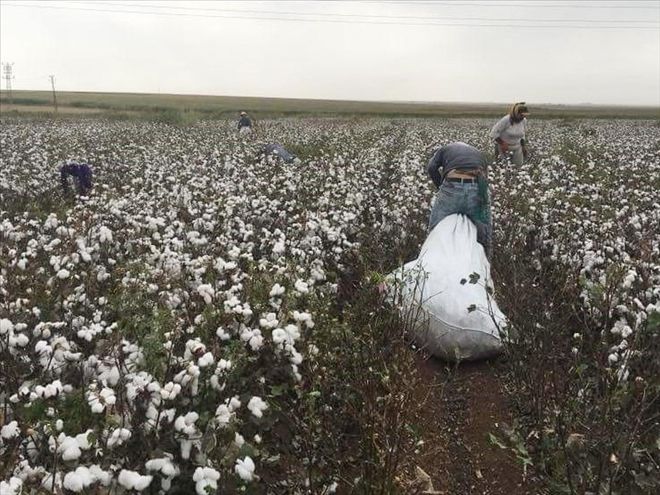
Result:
[
  {"x": 342, "y": 21},
  {"x": 374, "y": 16}
]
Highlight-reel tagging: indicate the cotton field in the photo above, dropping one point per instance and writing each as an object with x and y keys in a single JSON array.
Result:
[{"x": 156, "y": 335}]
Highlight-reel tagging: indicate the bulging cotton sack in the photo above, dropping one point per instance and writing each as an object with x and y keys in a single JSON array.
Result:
[{"x": 444, "y": 295}]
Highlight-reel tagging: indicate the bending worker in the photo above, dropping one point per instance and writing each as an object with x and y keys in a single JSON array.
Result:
[
  {"x": 509, "y": 134},
  {"x": 459, "y": 171},
  {"x": 82, "y": 177}
]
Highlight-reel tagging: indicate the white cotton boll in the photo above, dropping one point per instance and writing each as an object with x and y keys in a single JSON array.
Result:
[
  {"x": 108, "y": 396},
  {"x": 279, "y": 336},
  {"x": 257, "y": 438},
  {"x": 293, "y": 332},
  {"x": 186, "y": 447},
  {"x": 234, "y": 404},
  {"x": 295, "y": 358},
  {"x": 63, "y": 274},
  {"x": 223, "y": 415},
  {"x": 105, "y": 234},
  {"x": 133, "y": 481},
  {"x": 207, "y": 292},
  {"x": 279, "y": 248},
  {"x": 220, "y": 332},
  {"x": 244, "y": 468},
  {"x": 191, "y": 417},
  {"x": 47, "y": 483},
  {"x": 170, "y": 391},
  {"x": 205, "y": 360},
  {"x": 6, "y": 326},
  {"x": 78, "y": 480},
  {"x": 256, "y": 342},
  {"x": 257, "y": 406},
  {"x": 269, "y": 321},
  {"x": 205, "y": 480},
  {"x": 100, "y": 475},
  {"x": 12, "y": 487},
  {"x": 301, "y": 287},
  {"x": 238, "y": 440},
  {"x": 83, "y": 440},
  {"x": 223, "y": 365},
  {"x": 277, "y": 290},
  {"x": 10, "y": 430},
  {"x": 613, "y": 358}
]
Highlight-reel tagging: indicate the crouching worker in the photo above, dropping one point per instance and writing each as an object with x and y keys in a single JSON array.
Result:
[
  {"x": 82, "y": 177},
  {"x": 279, "y": 151},
  {"x": 459, "y": 171}
]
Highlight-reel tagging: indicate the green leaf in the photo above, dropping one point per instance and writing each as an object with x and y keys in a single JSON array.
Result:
[
  {"x": 474, "y": 278},
  {"x": 495, "y": 441},
  {"x": 277, "y": 390}
]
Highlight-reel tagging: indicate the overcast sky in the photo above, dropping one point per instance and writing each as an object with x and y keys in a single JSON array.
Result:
[{"x": 342, "y": 50}]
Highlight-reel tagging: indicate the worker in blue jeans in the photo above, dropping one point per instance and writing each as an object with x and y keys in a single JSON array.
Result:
[{"x": 459, "y": 171}]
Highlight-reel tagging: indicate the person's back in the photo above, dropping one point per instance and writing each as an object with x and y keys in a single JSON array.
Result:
[
  {"x": 279, "y": 151},
  {"x": 459, "y": 172},
  {"x": 455, "y": 156},
  {"x": 82, "y": 176}
]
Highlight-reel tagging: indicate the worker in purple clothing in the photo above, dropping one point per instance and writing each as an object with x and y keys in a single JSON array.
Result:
[{"x": 82, "y": 176}]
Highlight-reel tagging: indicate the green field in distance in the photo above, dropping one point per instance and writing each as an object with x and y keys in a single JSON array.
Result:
[{"x": 200, "y": 106}]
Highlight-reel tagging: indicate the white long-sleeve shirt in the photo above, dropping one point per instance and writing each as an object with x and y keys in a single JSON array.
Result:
[{"x": 510, "y": 133}]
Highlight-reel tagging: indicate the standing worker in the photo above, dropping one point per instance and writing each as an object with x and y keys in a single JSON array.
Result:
[
  {"x": 459, "y": 171},
  {"x": 509, "y": 134},
  {"x": 244, "y": 124}
]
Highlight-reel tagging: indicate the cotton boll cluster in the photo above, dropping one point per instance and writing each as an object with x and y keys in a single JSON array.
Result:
[
  {"x": 225, "y": 412},
  {"x": 257, "y": 406},
  {"x": 188, "y": 431},
  {"x": 99, "y": 400},
  {"x": 118, "y": 437},
  {"x": 165, "y": 467},
  {"x": 10, "y": 431},
  {"x": 82, "y": 478},
  {"x": 13, "y": 486},
  {"x": 132, "y": 480},
  {"x": 206, "y": 480},
  {"x": 71, "y": 448}
]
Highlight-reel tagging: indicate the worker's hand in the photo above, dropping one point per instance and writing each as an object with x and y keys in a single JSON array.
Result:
[
  {"x": 504, "y": 148},
  {"x": 525, "y": 152}
]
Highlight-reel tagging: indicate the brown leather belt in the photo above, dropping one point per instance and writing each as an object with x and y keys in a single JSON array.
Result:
[{"x": 452, "y": 174}]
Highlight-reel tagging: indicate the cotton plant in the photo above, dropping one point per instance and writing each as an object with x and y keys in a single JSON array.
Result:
[{"x": 151, "y": 303}]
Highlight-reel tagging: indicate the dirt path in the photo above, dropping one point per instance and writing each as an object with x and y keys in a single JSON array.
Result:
[{"x": 466, "y": 405}]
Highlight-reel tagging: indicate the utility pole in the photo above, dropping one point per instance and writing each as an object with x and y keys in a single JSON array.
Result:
[
  {"x": 7, "y": 74},
  {"x": 52, "y": 83}
]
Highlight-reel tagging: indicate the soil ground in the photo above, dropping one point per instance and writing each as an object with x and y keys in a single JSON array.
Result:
[{"x": 468, "y": 403}]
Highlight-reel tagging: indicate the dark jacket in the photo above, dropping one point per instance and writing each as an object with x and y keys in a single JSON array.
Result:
[
  {"x": 244, "y": 122},
  {"x": 82, "y": 176},
  {"x": 279, "y": 151},
  {"x": 454, "y": 156}
]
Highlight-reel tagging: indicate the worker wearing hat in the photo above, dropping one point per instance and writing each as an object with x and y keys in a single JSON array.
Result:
[
  {"x": 244, "y": 123},
  {"x": 509, "y": 134}
]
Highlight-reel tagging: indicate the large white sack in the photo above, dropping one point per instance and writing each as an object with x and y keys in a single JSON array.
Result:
[{"x": 438, "y": 304}]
